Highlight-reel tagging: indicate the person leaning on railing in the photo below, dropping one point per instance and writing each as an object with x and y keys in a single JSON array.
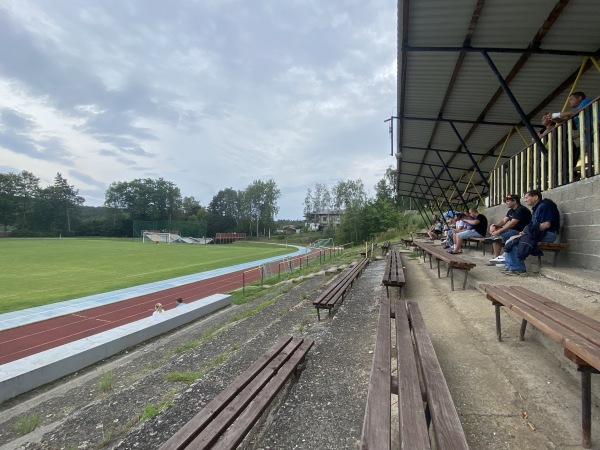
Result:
[{"x": 577, "y": 101}]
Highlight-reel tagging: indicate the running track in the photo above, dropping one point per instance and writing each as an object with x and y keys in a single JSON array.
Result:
[{"x": 26, "y": 340}]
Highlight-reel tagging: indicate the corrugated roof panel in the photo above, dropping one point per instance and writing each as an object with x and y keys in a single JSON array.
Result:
[
  {"x": 510, "y": 23},
  {"x": 432, "y": 22},
  {"x": 577, "y": 28},
  {"x": 472, "y": 95}
]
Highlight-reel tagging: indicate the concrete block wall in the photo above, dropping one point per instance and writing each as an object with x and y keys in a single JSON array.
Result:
[{"x": 579, "y": 204}]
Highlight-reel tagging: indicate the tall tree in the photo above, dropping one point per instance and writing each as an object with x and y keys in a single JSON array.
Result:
[
  {"x": 60, "y": 203},
  {"x": 350, "y": 193},
  {"x": 221, "y": 210},
  {"x": 145, "y": 199}
]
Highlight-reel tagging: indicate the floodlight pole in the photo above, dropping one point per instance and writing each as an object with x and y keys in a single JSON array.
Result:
[{"x": 391, "y": 131}]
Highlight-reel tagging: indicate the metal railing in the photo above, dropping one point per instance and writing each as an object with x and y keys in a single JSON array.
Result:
[{"x": 571, "y": 155}]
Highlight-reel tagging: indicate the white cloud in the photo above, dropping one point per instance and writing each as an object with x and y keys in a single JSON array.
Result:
[{"x": 208, "y": 95}]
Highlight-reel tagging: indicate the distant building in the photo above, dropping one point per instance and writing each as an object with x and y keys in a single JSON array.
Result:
[
  {"x": 323, "y": 219},
  {"x": 290, "y": 229}
]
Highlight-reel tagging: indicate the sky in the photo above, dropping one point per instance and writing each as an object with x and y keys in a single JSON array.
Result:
[{"x": 207, "y": 94}]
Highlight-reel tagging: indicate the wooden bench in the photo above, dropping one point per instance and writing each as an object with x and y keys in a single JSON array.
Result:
[
  {"x": 480, "y": 241},
  {"x": 394, "y": 273},
  {"x": 407, "y": 242},
  {"x": 423, "y": 395},
  {"x": 555, "y": 247},
  {"x": 334, "y": 293},
  {"x": 225, "y": 421},
  {"x": 578, "y": 334},
  {"x": 452, "y": 261}
]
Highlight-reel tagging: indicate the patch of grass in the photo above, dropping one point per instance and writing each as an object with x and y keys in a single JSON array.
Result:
[
  {"x": 303, "y": 325},
  {"x": 112, "y": 433},
  {"x": 27, "y": 423},
  {"x": 251, "y": 312},
  {"x": 184, "y": 377},
  {"x": 208, "y": 334},
  {"x": 152, "y": 409},
  {"x": 106, "y": 382},
  {"x": 413, "y": 255}
]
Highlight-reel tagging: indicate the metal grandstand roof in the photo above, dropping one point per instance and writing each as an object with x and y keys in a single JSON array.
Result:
[{"x": 455, "y": 118}]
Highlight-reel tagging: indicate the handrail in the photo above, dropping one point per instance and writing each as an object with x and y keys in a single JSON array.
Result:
[{"x": 572, "y": 154}]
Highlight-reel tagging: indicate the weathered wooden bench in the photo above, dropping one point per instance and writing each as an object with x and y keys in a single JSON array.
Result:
[
  {"x": 225, "y": 421},
  {"x": 334, "y": 293},
  {"x": 578, "y": 334},
  {"x": 555, "y": 247},
  {"x": 394, "y": 273},
  {"x": 480, "y": 241},
  {"x": 452, "y": 261},
  {"x": 407, "y": 242},
  {"x": 423, "y": 395}
]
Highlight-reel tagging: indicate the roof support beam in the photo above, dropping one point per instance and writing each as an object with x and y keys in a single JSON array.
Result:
[
  {"x": 532, "y": 51},
  {"x": 451, "y": 178},
  {"x": 515, "y": 103},
  {"x": 434, "y": 199},
  {"x": 477, "y": 122},
  {"x": 442, "y": 189},
  {"x": 432, "y": 165},
  {"x": 464, "y": 145},
  {"x": 425, "y": 220},
  {"x": 441, "y": 150}
]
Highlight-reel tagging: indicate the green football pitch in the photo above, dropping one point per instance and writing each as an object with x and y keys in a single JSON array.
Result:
[{"x": 36, "y": 272}]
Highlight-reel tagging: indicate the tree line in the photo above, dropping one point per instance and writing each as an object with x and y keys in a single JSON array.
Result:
[
  {"x": 28, "y": 209},
  {"x": 362, "y": 218}
]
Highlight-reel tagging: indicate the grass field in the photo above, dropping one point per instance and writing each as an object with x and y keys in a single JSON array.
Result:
[{"x": 36, "y": 272}]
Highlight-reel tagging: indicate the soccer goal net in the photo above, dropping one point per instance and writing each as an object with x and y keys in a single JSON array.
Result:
[{"x": 156, "y": 237}]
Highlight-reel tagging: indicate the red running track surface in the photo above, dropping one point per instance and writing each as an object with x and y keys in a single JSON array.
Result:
[{"x": 27, "y": 340}]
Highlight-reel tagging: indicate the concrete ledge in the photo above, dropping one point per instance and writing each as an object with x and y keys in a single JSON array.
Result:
[{"x": 33, "y": 371}]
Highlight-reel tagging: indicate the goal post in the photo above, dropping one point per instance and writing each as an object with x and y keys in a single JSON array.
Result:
[{"x": 156, "y": 237}]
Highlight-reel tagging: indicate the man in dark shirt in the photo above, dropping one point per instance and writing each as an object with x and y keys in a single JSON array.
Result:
[
  {"x": 479, "y": 224},
  {"x": 546, "y": 223},
  {"x": 515, "y": 221}
]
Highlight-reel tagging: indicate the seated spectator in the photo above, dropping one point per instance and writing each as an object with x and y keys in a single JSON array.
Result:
[
  {"x": 158, "y": 309},
  {"x": 515, "y": 221},
  {"x": 436, "y": 228},
  {"x": 544, "y": 227},
  {"x": 458, "y": 226},
  {"x": 478, "y": 222}
]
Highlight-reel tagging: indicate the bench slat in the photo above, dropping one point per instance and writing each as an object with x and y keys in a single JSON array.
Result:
[
  {"x": 411, "y": 412},
  {"x": 444, "y": 417},
  {"x": 377, "y": 422},
  {"x": 582, "y": 318},
  {"x": 449, "y": 258},
  {"x": 199, "y": 422},
  {"x": 235, "y": 435},
  {"x": 556, "y": 320}
]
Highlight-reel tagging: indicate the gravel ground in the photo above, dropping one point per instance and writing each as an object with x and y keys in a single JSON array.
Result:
[{"x": 509, "y": 395}]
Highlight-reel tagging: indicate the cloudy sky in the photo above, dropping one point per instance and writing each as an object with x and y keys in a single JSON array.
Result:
[{"x": 208, "y": 94}]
